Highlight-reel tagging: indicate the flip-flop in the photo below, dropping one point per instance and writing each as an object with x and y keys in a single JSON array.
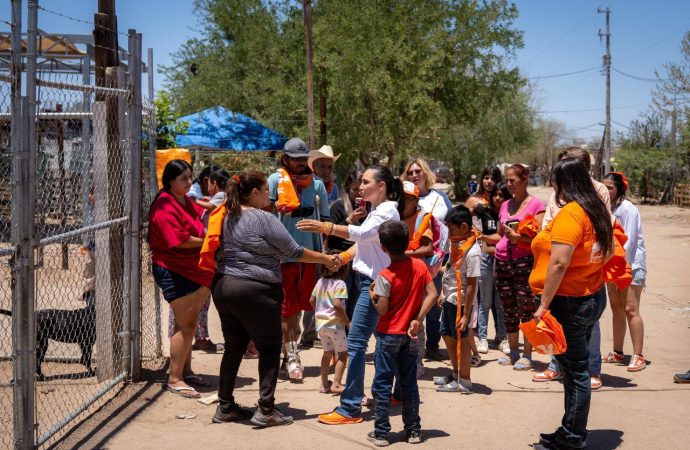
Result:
[
  {"x": 196, "y": 380},
  {"x": 183, "y": 391}
]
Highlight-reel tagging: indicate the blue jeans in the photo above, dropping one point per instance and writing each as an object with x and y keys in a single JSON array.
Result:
[
  {"x": 594, "y": 341},
  {"x": 488, "y": 295},
  {"x": 364, "y": 320},
  {"x": 433, "y": 321},
  {"x": 577, "y": 315},
  {"x": 395, "y": 356},
  {"x": 352, "y": 281}
]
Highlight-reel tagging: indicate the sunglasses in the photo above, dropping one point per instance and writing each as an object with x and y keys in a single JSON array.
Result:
[
  {"x": 414, "y": 172},
  {"x": 306, "y": 211}
]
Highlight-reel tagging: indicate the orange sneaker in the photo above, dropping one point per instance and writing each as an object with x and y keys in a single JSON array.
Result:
[
  {"x": 547, "y": 375},
  {"x": 333, "y": 418},
  {"x": 613, "y": 357},
  {"x": 637, "y": 363}
]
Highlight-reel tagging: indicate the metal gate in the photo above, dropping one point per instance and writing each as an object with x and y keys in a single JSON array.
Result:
[{"x": 71, "y": 246}]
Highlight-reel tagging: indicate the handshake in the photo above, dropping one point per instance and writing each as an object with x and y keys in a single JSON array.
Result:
[{"x": 335, "y": 262}]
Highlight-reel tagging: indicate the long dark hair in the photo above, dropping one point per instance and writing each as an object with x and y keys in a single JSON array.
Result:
[
  {"x": 496, "y": 175},
  {"x": 239, "y": 188},
  {"x": 220, "y": 177},
  {"x": 573, "y": 184},
  {"x": 621, "y": 190},
  {"x": 205, "y": 173},
  {"x": 394, "y": 185},
  {"x": 352, "y": 178},
  {"x": 172, "y": 170},
  {"x": 504, "y": 191}
]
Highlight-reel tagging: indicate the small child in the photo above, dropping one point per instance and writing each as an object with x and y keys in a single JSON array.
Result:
[
  {"x": 328, "y": 300},
  {"x": 459, "y": 221},
  {"x": 217, "y": 182},
  {"x": 403, "y": 293}
]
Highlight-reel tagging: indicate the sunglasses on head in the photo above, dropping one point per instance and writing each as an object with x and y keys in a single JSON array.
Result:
[
  {"x": 414, "y": 172},
  {"x": 306, "y": 211}
]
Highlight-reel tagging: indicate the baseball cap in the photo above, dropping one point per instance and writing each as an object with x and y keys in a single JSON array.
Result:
[
  {"x": 410, "y": 188},
  {"x": 296, "y": 148}
]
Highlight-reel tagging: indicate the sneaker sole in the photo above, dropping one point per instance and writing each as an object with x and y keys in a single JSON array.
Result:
[
  {"x": 341, "y": 422},
  {"x": 256, "y": 423},
  {"x": 545, "y": 380},
  {"x": 680, "y": 380},
  {"x": 636, "y": 369}
]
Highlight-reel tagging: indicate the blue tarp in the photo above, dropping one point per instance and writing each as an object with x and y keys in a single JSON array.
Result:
[{"x": 220, "y": 129}]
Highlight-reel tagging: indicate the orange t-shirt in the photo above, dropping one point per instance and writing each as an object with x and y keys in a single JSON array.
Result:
[{"x": 584, "y": 275}]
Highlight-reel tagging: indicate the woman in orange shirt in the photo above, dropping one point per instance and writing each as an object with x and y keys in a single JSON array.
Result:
[{"x": 569, "y": 256}]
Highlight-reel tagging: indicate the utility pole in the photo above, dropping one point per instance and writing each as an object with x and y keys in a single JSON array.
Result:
[
  {"x": 607, "y": 69},
  {"x": 306, "y": 6},
  {"x": 105, "y": 38}
]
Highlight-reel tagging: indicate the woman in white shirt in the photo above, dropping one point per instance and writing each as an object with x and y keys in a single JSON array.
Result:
[
  {"x": 625, "y": 305},
  {"x": 385, "y": 194}
]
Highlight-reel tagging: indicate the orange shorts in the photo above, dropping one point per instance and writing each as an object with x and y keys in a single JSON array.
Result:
[{"x": 299, "y": 280}]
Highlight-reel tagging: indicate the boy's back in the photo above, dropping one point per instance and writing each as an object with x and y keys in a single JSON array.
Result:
[{"x": 404, "y": 283}]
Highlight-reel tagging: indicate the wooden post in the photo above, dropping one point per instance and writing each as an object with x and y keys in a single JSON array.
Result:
[
  {"x": 306, "y": 4},
  {"x": 105, "y": 38}
]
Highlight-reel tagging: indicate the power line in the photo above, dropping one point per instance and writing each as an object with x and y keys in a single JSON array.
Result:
[
  {"x": 562, "y": 36},
  {"x": 665, "y": 38},
  {"x": 634, "y": 77},
  {"x": 9, "y": 24},
  {"x": 80, "y": 20},
  {"x": 592, "y": 109},
  {"x": 620, "y": 124},
  {"x": 541, "y": 77}
]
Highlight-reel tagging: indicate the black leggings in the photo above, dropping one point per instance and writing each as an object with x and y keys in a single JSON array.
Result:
[{"x": 249, "y": 310}]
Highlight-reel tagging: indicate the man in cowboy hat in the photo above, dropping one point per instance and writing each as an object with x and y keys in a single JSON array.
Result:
[
  {"x": 322, "y": 161},
  {"x": 298, "y": 278}
]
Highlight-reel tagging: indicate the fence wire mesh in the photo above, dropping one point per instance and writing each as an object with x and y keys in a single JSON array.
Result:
[
  {"x": 81, "y": 282},
  {"x": 6, "y": 252}
]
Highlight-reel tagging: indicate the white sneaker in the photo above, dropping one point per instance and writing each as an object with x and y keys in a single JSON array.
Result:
[
  {"x": 440, "y": 381},
  {"x": 455, "y": 386},
  {"x": 483, "y": 346},
  {"x": 504, "y": 347}
]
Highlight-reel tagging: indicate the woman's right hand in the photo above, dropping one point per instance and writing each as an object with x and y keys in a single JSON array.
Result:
[{"x": 357, "y": 215}]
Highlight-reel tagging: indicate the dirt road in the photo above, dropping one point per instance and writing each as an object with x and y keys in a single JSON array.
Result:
[{"x": 643, "y": 410}]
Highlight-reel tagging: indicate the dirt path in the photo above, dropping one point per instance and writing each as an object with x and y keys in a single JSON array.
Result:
[{"x": 642, "y": 410}]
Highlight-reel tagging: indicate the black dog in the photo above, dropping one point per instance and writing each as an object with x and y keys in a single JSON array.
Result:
[{"x": 74, "y": 326}]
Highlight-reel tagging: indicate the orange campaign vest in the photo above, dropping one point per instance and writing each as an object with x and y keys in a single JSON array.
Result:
[{"x": 207, "y": 257}]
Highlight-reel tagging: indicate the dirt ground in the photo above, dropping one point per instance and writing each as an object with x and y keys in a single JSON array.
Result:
[{"x": 632, "y": 411}]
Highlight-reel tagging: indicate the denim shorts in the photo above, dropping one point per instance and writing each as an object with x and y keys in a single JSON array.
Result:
[
  {"x": 448, "y": 316},
  {"x": 172, "y": 284},
  {"x": 639, "y": 277}
]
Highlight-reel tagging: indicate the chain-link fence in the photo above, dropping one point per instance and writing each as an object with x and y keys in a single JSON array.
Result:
[{"x": 79, "y": 310}]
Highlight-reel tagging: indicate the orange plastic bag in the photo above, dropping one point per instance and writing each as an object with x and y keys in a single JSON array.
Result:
[
  {"x": 163, "y": 157},
  {"x": 617, "y": 270},
  {"x": 528, "y": 227},
  {"x": 547, "y": 336}
]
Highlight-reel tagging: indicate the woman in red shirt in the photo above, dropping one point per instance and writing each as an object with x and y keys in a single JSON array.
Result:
[{"x": 175, "y": 237}]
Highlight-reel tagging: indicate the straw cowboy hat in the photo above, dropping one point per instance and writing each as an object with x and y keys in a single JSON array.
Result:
[{"x": 324, "y": 152}]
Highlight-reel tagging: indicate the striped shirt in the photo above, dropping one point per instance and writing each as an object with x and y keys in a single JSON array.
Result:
[{"x": 253, "y": 244}]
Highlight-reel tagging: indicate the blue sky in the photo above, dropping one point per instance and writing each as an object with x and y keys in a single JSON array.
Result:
[{"x": 560, "y": 37}]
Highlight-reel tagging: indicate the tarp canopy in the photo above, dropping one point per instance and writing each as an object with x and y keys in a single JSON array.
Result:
[{"x": 220, "y": 129}]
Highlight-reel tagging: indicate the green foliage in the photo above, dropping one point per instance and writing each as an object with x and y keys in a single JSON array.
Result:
[
  {"x": 166, "y": 126},
  {"x": 399, "y": 77}
]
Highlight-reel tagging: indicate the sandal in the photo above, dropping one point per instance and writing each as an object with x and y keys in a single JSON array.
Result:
[
  {"x": 183, "y": 391},
  {"x": 196, "y": 380},
  {"x": 475, "y": 360},
  {"x": 337, "y": 389},
  {"x": 522, "y": 364}
]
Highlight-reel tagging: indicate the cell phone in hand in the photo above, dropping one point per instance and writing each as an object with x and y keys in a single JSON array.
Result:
[
  {"x": 513, "y": 224},
  {"x": 361, "y": 203}
]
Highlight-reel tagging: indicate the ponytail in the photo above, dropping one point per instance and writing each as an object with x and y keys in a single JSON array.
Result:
[{"x": 238, "y": 190}]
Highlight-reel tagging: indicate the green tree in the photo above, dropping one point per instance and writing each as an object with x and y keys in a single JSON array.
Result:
[
  {"x": 399, "y": 77},
  {"x": 167, "y": 126}
]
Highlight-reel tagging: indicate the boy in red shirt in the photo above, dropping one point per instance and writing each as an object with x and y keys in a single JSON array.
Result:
[{"x": 403, "y": 293}]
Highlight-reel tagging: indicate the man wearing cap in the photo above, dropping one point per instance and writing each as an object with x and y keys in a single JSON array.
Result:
[
  {"x": 293, "y": 190},
  {"x": 321, "y": 162}
]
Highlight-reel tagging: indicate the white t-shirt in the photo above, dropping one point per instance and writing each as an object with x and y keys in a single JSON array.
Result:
[
  {"x": 471, "y": 267},
  {"x": 370, "y": 258},
  {"x": 434, "y": 200},
  {"x": 635, "y": 252}
]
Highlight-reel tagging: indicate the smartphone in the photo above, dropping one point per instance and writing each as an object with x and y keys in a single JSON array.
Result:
[
  {"x": 361, "y": 203},
  {"x": 513, "y": 224}
]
